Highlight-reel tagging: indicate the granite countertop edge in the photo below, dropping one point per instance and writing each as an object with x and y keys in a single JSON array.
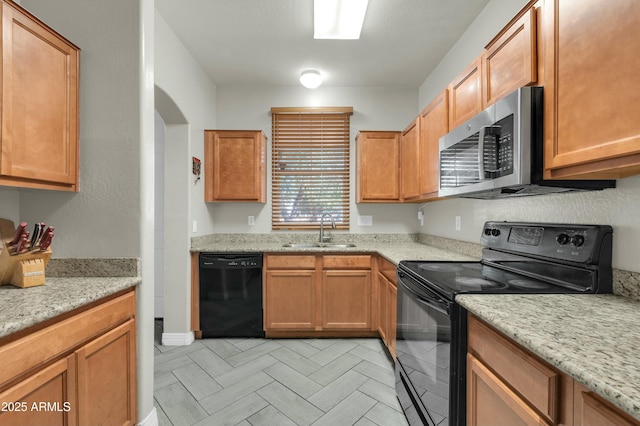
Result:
[
  {"x": 21, "y": 308},
  {"x": 595, "y": 339},
  {"x": 392, "y": 251}
]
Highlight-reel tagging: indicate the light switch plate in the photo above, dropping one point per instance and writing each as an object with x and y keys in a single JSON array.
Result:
[
  {"x": 458, "y": 223},
  {"x": 365, "y": 220}
]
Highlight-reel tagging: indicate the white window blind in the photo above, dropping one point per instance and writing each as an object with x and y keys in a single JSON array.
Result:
[{"x": 310, "y": 167}]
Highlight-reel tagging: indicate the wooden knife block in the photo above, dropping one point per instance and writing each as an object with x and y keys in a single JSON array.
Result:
[{"x": 21, "y": 270}]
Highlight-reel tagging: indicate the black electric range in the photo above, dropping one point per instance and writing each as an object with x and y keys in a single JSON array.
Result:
[{"x": 517, "y": 258}]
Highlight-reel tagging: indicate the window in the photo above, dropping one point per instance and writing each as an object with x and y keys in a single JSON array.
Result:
[{"x": 310, "y": 167}]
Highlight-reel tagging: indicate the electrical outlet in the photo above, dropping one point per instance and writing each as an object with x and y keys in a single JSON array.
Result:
[
  {"x": 458, "y": 223},
  {"x": 252, "y": 220},
  {"x": 194, "y": 226}
]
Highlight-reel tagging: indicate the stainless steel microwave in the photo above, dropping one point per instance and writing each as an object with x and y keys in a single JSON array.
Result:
[{"x": 499, "y": 153}]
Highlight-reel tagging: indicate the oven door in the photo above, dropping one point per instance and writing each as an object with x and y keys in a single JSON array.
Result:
[{"x": 424, "y": 373}]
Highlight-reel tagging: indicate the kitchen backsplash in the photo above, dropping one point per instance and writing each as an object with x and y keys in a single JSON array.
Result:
[
  {"x": 107, "y": 267},
  {"x": 287, "y": 237}
]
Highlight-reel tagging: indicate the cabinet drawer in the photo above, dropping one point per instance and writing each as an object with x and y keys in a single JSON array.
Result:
[
  {"x": 347, "y": 262},
  {"x": 291, "y": 262},
  {"x": 29, "y": 352},
  {"x": 387, "y": 269},
  {"x": 532, "y": 379}
]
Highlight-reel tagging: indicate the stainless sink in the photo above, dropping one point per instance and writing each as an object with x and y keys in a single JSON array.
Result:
[
  {"x": 318, "y": 245},
  {"x": 301, "y": 245}
]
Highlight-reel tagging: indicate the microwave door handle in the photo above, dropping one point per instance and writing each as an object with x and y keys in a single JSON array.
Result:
[{"x": 481, "y": 152}]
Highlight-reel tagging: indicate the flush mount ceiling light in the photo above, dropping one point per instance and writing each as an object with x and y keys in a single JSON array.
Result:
[
  {"x": 310, "y": 79},
  {"x": 338, "y": 19}
]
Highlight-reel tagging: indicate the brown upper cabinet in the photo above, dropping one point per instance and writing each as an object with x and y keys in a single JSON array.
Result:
[
  {"x": 39, "y": 136},
  {"x": 410, "y": 161},
  {"x": 420, "y": 142},
  {"x": 378, "y": 167},
  {"x": 235, "y": 166},
  {"x": 465, "y": 94},
  {"x": 434, "y": 123},
  {"x": 509, "y": 60},
  {"x": 592, "y": 91}
]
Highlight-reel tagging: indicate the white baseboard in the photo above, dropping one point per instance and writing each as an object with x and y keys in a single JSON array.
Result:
[
  {"x": 178, "y": 339},
  {"x": 151, "y": 419}
]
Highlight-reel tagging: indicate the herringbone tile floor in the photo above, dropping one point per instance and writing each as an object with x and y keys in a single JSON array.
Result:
[{"x": 275, "y": 382}]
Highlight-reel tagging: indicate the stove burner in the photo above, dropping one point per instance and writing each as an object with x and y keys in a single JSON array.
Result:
[
  {"x": 440, "y": 267},
  {"x": 475, "y": 282},
  {"x": 525, "y": 283}
]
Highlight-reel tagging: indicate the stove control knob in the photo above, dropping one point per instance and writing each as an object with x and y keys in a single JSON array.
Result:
[
  {"x": 577, "y": 240},
  {"x": 495, "y": 232},
  {"x": 487, "y": 231},
  {"x": 562, "y": 239}
]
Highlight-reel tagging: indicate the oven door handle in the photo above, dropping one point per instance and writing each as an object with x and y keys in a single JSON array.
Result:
[{"x": 432, "y": 300}]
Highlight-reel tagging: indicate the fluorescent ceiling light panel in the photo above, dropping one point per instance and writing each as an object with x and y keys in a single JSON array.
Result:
[{"x": 338, "y": 19}]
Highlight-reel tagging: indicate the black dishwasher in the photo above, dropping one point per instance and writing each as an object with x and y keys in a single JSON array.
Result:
[{"x": 231, "y": 294}]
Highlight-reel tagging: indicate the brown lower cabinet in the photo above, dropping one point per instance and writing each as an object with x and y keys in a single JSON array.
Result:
[
  {"x": 80, "y": 370},
  {"x": 315, "y": 293},
  {"x": 387, "y": 289},
  {"x": 508, "y": 385}
]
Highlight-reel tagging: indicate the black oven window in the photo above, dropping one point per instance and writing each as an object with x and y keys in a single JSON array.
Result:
[{"x": 424, "y": 351}]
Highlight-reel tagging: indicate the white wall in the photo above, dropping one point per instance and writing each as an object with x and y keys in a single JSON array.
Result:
[
  {"x": 375, "y": 108},
  {"x": 10, "y": 204},
  {"x": 186, "y": 99},
  {"x": 102, "y": 220},
  {"x": 617, "y": 207}
]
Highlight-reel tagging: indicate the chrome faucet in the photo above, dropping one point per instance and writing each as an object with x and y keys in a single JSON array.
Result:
[{"x": 326, "y": 238}]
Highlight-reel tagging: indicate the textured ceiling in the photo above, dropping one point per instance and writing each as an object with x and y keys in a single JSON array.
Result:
[{"x": 269, "y": 42}]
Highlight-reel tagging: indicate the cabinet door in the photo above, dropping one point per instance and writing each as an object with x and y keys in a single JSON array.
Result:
[
  {"x": 39, "y": 105},
  {"x": 45, "y": 398},
  {"x": 378, "y": 165},
  {"x": 290, "y": 300},
  {"x": 434, "y": 123},
  {"x": 592, "y": 93},
  {"x": 235, "y": 166},
  {"x": 383, "y": 307},
  {"x": 509, "y": 61},
  {"x": 491, "y": 402},
  {"x": 107, "y": 378},
  {"x": 465, "y": 95},
  {"x": 410, "y": 161},
  {"x": 346, "y": 299},
  {"x": 591, "y": 410},
  {"x": 393, "y": 313}
]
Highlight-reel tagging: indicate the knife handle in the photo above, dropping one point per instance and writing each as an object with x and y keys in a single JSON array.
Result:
[
  {"x": 19, "y": 231},
  {"x": 37, "y": 232},
  {"x": 22, "y": 243},
  {"x": 46, "y": 240}
]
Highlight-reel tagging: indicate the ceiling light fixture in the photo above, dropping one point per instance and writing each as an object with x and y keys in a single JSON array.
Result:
[
  {"x": 310, "y": 79},
  {"x": 338, "y": 19}
]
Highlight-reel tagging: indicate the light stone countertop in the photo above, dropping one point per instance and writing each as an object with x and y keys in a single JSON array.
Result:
[
  {"x": 392, "y": 250},
  {"x": 21, "y": 308},
  {"x": 593, "y": 338},
  {"x": 70, "y": 284}
]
